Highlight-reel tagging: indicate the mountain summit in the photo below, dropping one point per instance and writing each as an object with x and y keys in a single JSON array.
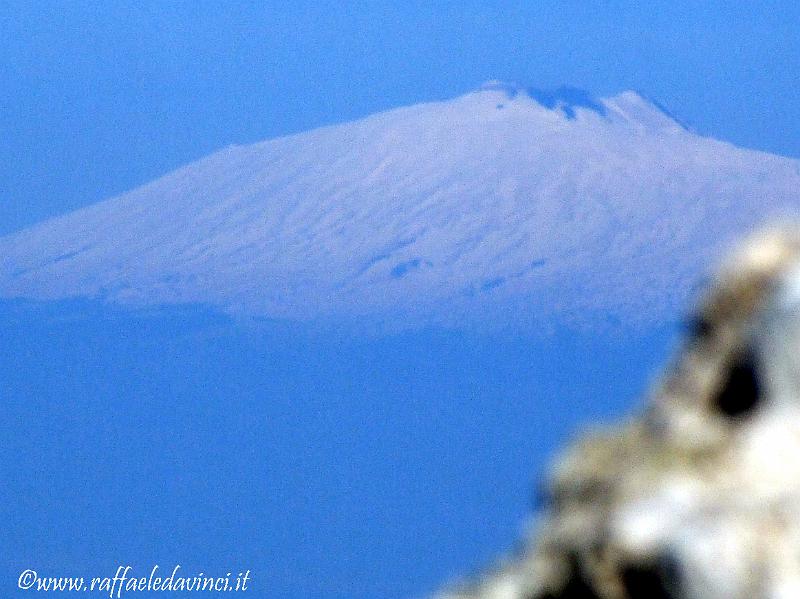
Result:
[
  {"x": 502, "y": 206},
  {"x": 628, "y": 106}
]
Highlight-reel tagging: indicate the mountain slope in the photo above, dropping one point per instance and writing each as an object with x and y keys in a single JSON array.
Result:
[{"x": 502, "y": 206}]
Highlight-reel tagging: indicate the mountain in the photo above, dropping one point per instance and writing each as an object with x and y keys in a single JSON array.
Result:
[{"x": 505, "y": 206}]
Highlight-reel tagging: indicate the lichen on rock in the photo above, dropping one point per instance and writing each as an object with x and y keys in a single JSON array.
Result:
[{"x": 697, "y": 496}]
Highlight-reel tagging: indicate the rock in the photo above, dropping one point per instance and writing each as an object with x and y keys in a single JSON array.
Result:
[{"x": 699, "y": 495}]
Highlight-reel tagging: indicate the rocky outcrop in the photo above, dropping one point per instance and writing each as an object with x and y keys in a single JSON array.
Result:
[{"x": 699, "y": 495}]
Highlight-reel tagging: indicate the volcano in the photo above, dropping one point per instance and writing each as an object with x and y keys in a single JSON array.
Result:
[{"x": 505, "y": 206}]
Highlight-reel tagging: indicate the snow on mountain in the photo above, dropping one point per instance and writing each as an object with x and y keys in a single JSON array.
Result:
[{"x": 504, "y": 205}]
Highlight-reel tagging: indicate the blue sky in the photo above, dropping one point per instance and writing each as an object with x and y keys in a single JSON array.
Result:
[{"x": 98, "y": 97}]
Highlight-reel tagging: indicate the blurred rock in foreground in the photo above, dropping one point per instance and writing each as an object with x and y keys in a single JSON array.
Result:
[{"x": 699, "y": 496}]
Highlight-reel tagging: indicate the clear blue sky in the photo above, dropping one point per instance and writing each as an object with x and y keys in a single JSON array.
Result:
[{"x": 98, "y": 97}]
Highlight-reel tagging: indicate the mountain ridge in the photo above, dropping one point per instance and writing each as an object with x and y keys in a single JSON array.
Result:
[{"x": 491, "y": 207}]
